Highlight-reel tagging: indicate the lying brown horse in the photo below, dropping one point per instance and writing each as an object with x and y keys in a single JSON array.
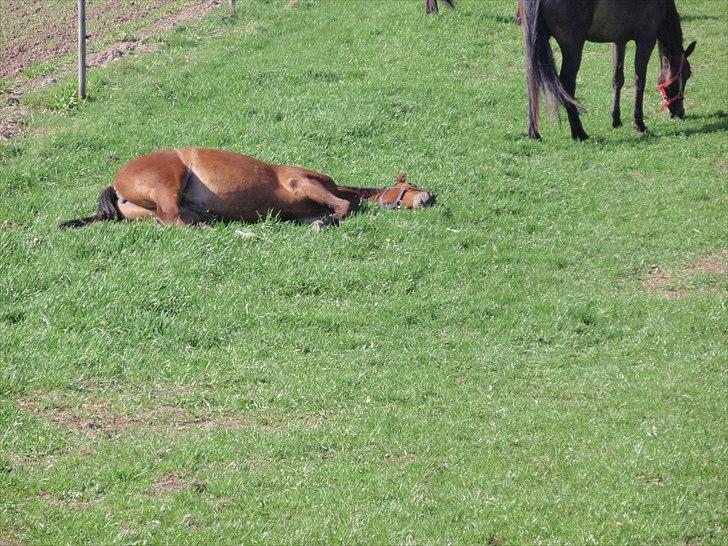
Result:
[{"x": 194, "y": 185}]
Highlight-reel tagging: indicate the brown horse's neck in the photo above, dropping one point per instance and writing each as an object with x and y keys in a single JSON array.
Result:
[
  {"x": 669, "y": 35},
  {"x": 359, "y": 194}
]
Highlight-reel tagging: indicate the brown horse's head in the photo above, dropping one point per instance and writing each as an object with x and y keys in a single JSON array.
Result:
[
  {"x": 674, "y": 74},
  {"x": 405, "y": 194}
]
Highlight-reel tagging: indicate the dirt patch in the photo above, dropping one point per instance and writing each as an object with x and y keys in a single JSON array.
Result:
[
  {"x": 170, "y": 483},
  {"x": 11, "y": 224},
  {"x": 402, "y": 459},
  {"x": 192, "y": 11},
  {"x": 658, "y": 281},
  {"x": 12, "y": 122},
  {"x": 53, "y": 31},
  {"x": 651, "y": 479},
  {"x": 668, "y": 284},
  {"x": 53, "y": 500},
  {"x": 117, "y": 50},
  {"x": 716, "y": 263},
  {"x": 95, "y": 417},
  {"x": 10, "y": 536},
  {"x": 102, "y": 418}
]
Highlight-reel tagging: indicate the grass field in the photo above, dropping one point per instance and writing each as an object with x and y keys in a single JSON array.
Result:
[{"x": 539, "y": 358}]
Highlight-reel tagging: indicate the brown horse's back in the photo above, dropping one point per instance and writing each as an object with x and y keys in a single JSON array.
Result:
[{"x": 229, "y": 186}]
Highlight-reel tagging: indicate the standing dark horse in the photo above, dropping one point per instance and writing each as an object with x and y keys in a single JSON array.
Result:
[{"x": 572, "y": 22}]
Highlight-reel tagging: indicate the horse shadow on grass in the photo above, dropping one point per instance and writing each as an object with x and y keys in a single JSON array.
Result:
[
  {"x": 690, "y": 18},
  {"x": 718, "y": 126}
]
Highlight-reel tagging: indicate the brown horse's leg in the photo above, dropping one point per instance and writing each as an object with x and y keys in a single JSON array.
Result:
[
  {"x": 170, "y": 212},
  {"x": 152, "y": 186},
  {"x": 167, "y": 211},
  {"x": 618, "y": 50},
  {"x": 130, "y": 211},
  {"x": 317, "y": 192}
]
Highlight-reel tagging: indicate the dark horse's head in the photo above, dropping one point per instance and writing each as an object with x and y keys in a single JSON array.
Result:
[{"x": 674, "y": 74}]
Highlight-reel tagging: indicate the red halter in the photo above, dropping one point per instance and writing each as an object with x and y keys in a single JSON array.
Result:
[{"x": 667, "y": 101}]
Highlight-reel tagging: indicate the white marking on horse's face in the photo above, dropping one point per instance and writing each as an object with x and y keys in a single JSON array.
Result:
[{"x": 422, "y": 200}]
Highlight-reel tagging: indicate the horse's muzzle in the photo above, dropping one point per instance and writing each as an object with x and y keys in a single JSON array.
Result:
[{"x": 425, "y": 199}]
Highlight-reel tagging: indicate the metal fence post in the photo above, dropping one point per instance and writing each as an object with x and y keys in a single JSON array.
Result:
[{"x": 82, "y": 49}]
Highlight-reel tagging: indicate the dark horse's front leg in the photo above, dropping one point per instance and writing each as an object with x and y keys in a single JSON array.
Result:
[
  {"x": 571, "y": 53},
  {"x": 618, "y": 50},
  {"x": 641, "y": 59}
]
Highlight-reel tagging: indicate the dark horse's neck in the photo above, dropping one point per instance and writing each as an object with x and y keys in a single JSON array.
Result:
[{"x": 669, "y": 35}]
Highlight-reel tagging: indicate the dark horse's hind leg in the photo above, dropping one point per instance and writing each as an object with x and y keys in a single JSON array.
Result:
[
  {"x": 618, "y": 50},
  {"x": 571, "y": 53},
  {"x": 641, "y": 59}
]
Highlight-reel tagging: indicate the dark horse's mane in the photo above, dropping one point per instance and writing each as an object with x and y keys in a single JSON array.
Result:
[{"x": 669, "y": 35}]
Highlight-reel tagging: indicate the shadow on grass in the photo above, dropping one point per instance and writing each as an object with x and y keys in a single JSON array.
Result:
[
  {"x": 505, "y": 20},
  {"x": 689, "y": 18},
  {"x": 718, "y": 126}
]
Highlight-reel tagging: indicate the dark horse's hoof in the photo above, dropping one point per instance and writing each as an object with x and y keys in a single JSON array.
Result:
[
  {"x": 580, "y": 136},
  {"x": 616, "y": 123}
]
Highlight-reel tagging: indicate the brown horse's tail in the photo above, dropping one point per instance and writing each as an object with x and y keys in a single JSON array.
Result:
[
  {"x": 541, "y": 76},
  {"x": 106, "y": 210}
]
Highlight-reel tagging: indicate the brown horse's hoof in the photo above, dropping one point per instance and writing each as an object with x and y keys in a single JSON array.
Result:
[{"x": 318, "y": 226}]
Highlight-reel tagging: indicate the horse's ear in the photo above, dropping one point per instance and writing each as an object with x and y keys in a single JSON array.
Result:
[
  {"x": 690, "y": 49},
  {"x": 401, "y": 178}
]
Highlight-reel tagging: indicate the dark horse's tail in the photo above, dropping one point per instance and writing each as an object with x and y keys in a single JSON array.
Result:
[
  {"x": 431, "y": 5},
  {"x": 541, "y": 76},
  {"x": 106, "y": 210}
]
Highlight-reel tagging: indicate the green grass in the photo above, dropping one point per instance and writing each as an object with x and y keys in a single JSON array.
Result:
[{"x": 490, "y": 370}]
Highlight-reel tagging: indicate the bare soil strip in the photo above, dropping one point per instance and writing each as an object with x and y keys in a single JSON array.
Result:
[{"x": 36, "y": 31}]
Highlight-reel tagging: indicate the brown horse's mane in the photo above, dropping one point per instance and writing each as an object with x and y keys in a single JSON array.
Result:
[{"x": 370, "y": 193}]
